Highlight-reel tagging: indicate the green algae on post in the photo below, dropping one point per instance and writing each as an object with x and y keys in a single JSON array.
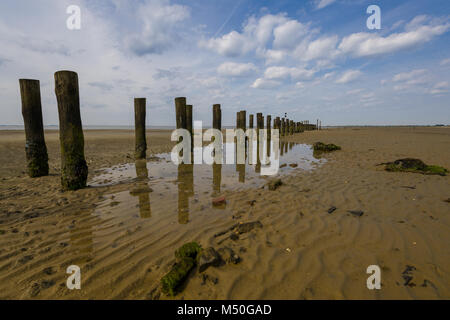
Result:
[
  {"x": 414, "y": 165},
  {"x": 320, "y": 146},
  {"x": 74, "y": 170},
  {"x": 35, "y": 148},
  {"x": 186, "y": 260}
]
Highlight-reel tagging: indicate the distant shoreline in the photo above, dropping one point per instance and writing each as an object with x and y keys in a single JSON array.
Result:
[{"x": 100, "y": 127}]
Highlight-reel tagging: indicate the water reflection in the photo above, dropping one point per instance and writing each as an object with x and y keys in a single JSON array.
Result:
[
  {"x": 142, "y": 190},
  {"x": 217, "y": 178},
  {"x": 185, "y": 191},
  {"x": 175, "y": 186}
]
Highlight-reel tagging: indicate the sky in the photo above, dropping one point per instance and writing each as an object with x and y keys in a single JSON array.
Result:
[{"x": 312, "y": 59}]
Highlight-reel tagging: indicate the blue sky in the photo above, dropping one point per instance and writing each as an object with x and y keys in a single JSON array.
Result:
[{"x": 312, "y": 59}]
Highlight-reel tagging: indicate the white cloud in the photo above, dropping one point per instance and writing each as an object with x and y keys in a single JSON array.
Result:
[
  {"x": 354, "y": 91},
  {"x": 262, "y": 83},
  {"x": 280, "y": 73},
  {"x": 328, "y": 75},
  {"x": 365, "y": 44},
  {"x": 159, "y": 20},
  {"x": 324, "y": 47},
  {"x": 445, "y": 62},
  {"x": 323, "y": 3},
  {"x": 236, "y": 69},
  {"x": 440, "y": 88},
  {"x": 349, "y": 76},
  {"x": 288, "y": 34},
  {"x": 408, "y": 76},
  {"x": 232, "y": 44}
]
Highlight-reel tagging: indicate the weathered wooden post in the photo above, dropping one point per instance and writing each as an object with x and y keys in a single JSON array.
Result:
[
  {"x": 283, "y": 126},
  {"x": 243, "y": 120},
  {"x": 180, "y": 112},
  {"x": 291, "y": 126},
  {"x": 139, "y": 128},
  {"x": 288, "y": 130},
  {"x": 250, "y": 121},
  {"x": 189, "y": 127},
  {"x": 35, "y": 148},
  {"x": 189, "y": 119},
  {"x": 74, "y": 169},
  {"x": 217, "y": 117}
]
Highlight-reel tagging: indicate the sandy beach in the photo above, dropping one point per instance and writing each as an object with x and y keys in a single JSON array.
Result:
[{"x": 124, "y": 238}]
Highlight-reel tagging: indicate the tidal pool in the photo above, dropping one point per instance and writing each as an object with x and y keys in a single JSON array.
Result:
[{"x": 159, "y": 188}]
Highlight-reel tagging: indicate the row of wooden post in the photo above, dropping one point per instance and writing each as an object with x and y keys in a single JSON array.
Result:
[{"x": 74, "y": 169}]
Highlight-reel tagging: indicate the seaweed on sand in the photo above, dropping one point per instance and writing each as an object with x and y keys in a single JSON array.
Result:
[
  {"x": 414, "y": 165},
  {"x": 320, "y": 146}
]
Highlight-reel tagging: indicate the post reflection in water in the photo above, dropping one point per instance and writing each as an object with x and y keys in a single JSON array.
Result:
[
  {"x": 142, "y": 191},
  {"x": 240, "y": 168},
  {"x": 217, "y": 178},
  {"x": 185, "y": 191}
]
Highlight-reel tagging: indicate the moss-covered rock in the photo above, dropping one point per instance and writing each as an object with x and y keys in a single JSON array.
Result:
[
  {"x": 320, "y": 146},
  {"x": 172, "y": 281},
  {"x": 414, "y": 165},
  {"x": 186, "y": 260},
  {"x": 189, "y": 250}
]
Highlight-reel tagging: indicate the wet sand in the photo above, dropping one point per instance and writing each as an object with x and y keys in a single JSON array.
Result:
[{"x": 124, "y": 241}]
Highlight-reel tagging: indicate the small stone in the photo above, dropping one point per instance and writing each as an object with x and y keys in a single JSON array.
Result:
[
  {"x": 293, "y": 165},
  {"x": 45, "y": 284},
  {"x": 358, "y": 213},
  {"x": 248, "y": 226},
  {"x": 283, "y": 165},
  {"x": 35, "y": 289},
  {"x": 234, "y": 236},
  {"x": 25, "y": 259},
  {"x": 49, "y": 271},
  {"x": 229, "y": 256},
  {"x": 219, "y": 201},
  {"x": 332, "y": 209},
  {"x": 274, "y": 184},
  {"x": 206, "y": 258}
]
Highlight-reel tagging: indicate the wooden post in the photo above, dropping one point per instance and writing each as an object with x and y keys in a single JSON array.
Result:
[
  {"x": 217, "y": 117},
  {"x": 180, "y": 111},
  {"x": 189, "y": 127},
  {"x": 283, "y": 126},
  {"x": 291, "y": 126},
  {"x": 35, "y": 148},
  {"x": 139, "y": 128},
  {"x": 189, "y": 119},
  {"x": 74, "y": 169},
  {"x": 243, "y": 120},
  {"x": 250, "y": 121},
  {"x": 268, "y": 125},
  {"x": 239, "y": 121}
]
